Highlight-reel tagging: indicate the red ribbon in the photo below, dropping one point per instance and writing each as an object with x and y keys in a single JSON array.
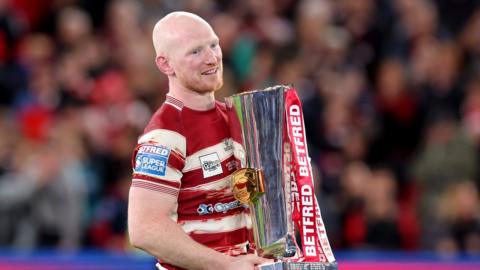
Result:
[{"x": 306, "y": 213}]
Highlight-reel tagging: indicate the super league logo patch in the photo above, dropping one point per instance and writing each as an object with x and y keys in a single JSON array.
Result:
[{"x": 151, "y": 160}]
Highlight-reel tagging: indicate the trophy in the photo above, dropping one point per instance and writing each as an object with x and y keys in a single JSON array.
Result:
[{"x": 275, "y": 179}]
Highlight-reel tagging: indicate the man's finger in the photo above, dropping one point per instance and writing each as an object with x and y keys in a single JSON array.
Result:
[{"x": 258, "y": 260}]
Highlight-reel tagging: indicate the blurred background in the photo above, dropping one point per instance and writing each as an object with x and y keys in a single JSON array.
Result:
[{"x": 391, "y": 96}]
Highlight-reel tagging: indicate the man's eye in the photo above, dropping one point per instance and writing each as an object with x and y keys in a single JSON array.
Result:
[
  {"x": 196, "y": 51},
  {"x": 213, "y": 45}
]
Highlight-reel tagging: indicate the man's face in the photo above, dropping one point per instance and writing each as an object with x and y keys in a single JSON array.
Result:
[{"x": 196, "y": 58}]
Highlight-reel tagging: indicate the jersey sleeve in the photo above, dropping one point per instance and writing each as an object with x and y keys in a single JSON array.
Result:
[{"x": 158, "y": 161}]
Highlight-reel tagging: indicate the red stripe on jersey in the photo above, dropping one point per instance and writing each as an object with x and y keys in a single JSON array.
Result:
[
  {"x": 176, "y": 161},
  {"x": 171, "y": 184},
  {"x": 221, "y": 240},
  {"x": 194, "y": 178},
  {"x": 203, "y": 195},
  {"x": 155, "y": 187}
]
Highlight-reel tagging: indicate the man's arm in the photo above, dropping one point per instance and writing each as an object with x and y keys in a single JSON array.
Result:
[{"x": 151, "y": 229}]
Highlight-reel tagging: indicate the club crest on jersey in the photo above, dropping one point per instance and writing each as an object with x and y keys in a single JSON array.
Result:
[
  {"x": 227, "y": 145},
  {"x": 211, "y": 165},
  {"x": 151, "y": 160}
]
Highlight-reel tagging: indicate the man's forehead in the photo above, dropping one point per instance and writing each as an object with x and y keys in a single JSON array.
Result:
[
  {"x": 198, "y": 34},
  {"x": 182, "y": 29}
]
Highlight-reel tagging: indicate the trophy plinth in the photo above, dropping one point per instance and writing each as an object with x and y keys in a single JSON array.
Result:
[{"x": 298, "y": 266}]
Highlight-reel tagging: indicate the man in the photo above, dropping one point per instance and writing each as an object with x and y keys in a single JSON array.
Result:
[{"x": 181, "y": 208}]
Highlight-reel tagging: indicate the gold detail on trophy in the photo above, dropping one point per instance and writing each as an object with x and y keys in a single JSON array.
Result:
[{"x": 247, "y": 185}]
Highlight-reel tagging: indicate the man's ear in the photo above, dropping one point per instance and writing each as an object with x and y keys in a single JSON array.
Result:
[{"x": 164, "y": 65}]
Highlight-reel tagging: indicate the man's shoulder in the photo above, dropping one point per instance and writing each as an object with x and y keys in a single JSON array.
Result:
[
  {"x": 166, "y": 117},
  {"x": 165, "y": 128},
  {"x": 222, "y": 108}
]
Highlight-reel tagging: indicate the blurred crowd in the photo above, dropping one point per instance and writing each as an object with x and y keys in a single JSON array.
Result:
[{"x": 390, "y": 89}]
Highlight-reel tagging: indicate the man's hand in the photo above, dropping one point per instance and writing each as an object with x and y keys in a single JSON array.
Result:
[{"x": 247, "y": 262}]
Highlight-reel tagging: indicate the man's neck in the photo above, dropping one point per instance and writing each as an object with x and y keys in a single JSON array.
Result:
[{"x": 193, "y": 100}]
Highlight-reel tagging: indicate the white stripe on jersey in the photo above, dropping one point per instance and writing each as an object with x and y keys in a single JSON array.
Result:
[
  {"x": 160, "y": 185},
  {"x": 171, "y": 139},
  {"x": 192, "y": 162},
  {"x": 226, "y": 224},
  {"x": 174, "y": 105},
  {"x": 239, "y": 153},
  {"x": 215, "y": 185},
  {"x": 174, "y": 102}
]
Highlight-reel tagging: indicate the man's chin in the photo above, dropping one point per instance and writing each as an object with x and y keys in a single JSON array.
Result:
[
  {"x": 208, "y": 88},
  {"x": 219, "y": 86}
]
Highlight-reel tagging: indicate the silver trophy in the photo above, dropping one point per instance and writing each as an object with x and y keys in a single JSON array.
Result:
[{"x": 263, "y": 151}]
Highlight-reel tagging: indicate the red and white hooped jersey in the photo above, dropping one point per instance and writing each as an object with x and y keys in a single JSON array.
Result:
[{"x": 188, "y": 154}]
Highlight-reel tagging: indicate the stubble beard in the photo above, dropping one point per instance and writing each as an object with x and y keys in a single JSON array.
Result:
[{"x": 205, "y": 88}]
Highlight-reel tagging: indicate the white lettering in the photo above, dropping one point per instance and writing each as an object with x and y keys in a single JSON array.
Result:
[
  {"x": 299, "y": 140},
  {"x": 310, "y": 251},
  {"x": 302, "y": 160},
  {"x": 294, "y": 110},
  {"x": 153, "y": 150},
  {"x": 307, "y": 190},
  {"x": 303, "y": 171},
  {"x": 307, "y": 221},
  {"x": 307, "y": 199},
  {"x": 309, "y": 241},
  {"x": 300, "y": 150},
  {"x": 297, "y": 131},
  {"x": 296, "y": 120}
]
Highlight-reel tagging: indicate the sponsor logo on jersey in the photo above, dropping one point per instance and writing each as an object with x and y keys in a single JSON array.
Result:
[
  {"x": 211, "y": 165},
  {"x": 231, "y": 165},
  {"x": 206, "y": 209},
  {"x": 151, "y": 160}
]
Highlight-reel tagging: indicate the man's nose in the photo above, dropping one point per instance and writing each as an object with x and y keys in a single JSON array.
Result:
[{"x": 211, "y": 56}]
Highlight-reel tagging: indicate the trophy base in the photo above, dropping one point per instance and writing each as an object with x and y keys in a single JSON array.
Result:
[{"x": 298, "y": 266}]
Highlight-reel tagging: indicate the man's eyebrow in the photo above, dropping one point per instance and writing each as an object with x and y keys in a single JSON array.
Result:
[{"x": 203, "y": 44}]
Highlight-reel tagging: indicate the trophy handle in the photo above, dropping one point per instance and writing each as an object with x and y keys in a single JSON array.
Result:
[{"x": 248, "y": 185}]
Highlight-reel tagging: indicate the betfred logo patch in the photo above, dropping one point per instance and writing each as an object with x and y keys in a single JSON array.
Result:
[
  {"x": 152, "y": 160},
  {"x": 211, "y": 165}
]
